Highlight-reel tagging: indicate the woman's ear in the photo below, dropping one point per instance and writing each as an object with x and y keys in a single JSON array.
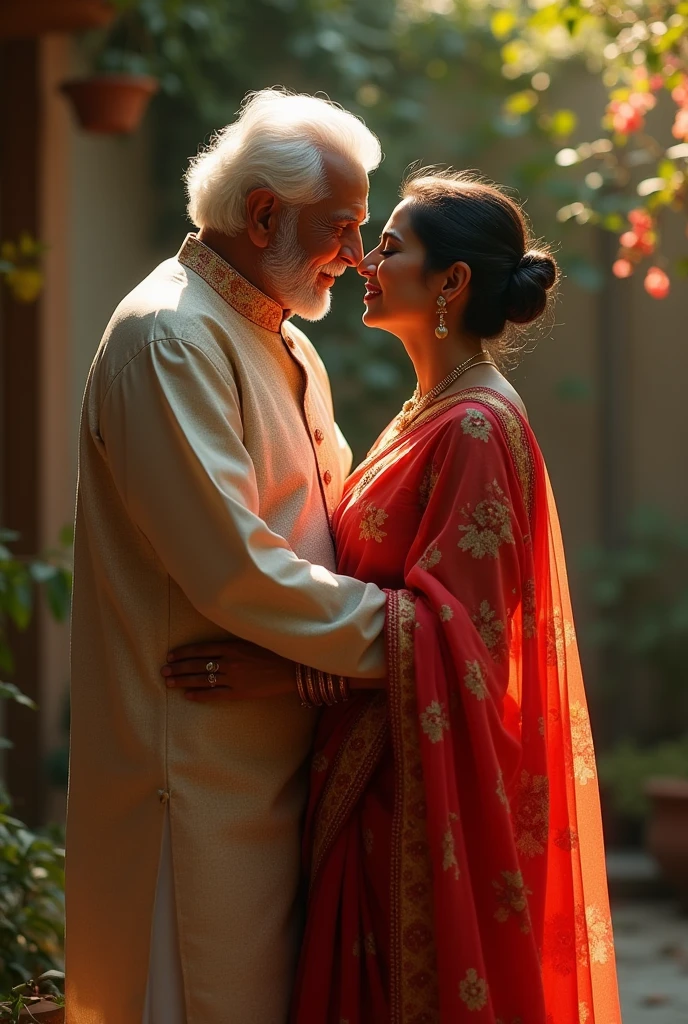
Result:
[
  {"x": 456, "y": 281},
  {"x": 262, "y": 213}
]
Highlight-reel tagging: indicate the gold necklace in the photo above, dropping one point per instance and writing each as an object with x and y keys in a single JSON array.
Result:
[{"x": 415, "y": 405}]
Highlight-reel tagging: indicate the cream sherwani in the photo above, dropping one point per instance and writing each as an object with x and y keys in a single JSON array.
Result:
[{"x": 210, "y": 465}]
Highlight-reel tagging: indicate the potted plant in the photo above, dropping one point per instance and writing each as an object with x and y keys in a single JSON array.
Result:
[
  {"x": 31, "y": 862},
  {"x": 21, "y": 19},
  {"x": 149, "y": 46},
  {"x": 115, "y": 97}
]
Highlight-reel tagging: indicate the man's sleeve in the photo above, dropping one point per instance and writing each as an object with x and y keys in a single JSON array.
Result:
[{"x": 171, "y": 426}]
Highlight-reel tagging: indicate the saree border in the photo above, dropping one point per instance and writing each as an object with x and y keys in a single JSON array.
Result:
[
  {"x": 512, "y": 423},
  {"x": 352, "y": 768},
  {"x": 414, "y": 986}
]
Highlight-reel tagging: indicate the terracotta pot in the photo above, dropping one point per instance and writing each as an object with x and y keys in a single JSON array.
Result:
[
  {"x": 21, "y": 19},
  {"x": 44, "y": 1011},
  {"x": 111, "y": 104},
  {"x": 667, "y": 832}
]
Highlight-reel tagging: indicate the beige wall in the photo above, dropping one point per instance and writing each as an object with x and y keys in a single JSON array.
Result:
[{"x": 96, "y": 223}]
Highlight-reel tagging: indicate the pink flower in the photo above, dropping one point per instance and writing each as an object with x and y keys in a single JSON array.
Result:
[
  {"x": 622, "y": 268},
  {"x": 656, "y": 82},
  {"x": 680, "y": 129},
  {"x": 641, "y": 221},
  {"x": 680, "y": 92},
  {"x": 657, "y": 284},
  {"x": 625, "y": 117}
]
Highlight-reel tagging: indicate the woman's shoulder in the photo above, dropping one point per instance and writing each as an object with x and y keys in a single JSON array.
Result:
[
  {"x": 477, "y": 412},
  {"x": 483, "y": 423}
]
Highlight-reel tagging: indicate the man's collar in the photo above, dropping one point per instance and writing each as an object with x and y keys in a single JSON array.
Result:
[{"x": 239, "y": 293}]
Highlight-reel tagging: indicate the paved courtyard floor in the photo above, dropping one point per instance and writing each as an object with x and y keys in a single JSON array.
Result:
[{"x": 652, "y": 958}]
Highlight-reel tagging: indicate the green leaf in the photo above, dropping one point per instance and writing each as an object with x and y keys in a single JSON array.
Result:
[
  {"x": 563, "y": 122},
  {"x": 58, "y": 592},
  {"x": 8, "y": 691},
  {"x": 520, "y": 103},
  {"x": 502, "y": 24}
]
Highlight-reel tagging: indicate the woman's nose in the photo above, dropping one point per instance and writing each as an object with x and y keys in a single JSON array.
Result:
[{"x": 368, "y": 266}]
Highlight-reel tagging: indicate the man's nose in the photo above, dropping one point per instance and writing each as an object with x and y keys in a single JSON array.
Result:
[{"x": 351, "y": 251}]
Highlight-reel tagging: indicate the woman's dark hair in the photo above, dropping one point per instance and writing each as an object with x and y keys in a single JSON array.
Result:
[{"x": 458, "y": 216}]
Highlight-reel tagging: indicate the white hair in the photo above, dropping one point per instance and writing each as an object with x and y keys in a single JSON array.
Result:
[{"x": 277, "y": 142}]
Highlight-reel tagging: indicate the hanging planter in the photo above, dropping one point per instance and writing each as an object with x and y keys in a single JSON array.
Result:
[
  {"x": 22, "y": 19},
  {"x": 112, "y": 104}
]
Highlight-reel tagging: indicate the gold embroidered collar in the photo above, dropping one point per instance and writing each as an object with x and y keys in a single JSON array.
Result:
[{"x": 239, "y": 293}]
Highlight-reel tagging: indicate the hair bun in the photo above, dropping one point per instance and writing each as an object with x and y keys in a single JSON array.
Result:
[{"x": 526, "y": 294}]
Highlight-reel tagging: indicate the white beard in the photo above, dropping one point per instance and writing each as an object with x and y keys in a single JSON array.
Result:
[{"x": 287, "y": 268}]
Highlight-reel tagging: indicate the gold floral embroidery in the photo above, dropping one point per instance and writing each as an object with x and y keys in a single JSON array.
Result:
[
  {"x": 541, "y": 725},
  {"x": 237, "y": 292},
  {"x": 370, "y": 946},
  {"x": 449, "y": 861},
  {"x": 489, "y": 524},
  {"x": 320, "y": 762},
  {"x": 583, "y": 1013},
  {"x": 512, "y": 898},
  {"x": 473, "y": 990},
  {"x": 431, "y": 558},
  {"x": 600, "y": 939},
  {"x": 352, "y": 767},
  {"x": 560, "y": 635},
  {"x": 368, "y": 840},
  {"x": 474, "y": 680},
  {"x": 532, "y": 814},
  {"x": 584, "y": 768},
  {"x": 528, "y": 610},
  {"x": 411, "y": 925},
  {"x": 446, "y": 614},
  {"x": 501, "y": 791},
  {"x": 476, "y": 424},
  {"x": 491, "y": 629},
  {"x": 427, "y": 485},
  {"x": 372, "y": 521},
  {"x": 434, "y": 721}
]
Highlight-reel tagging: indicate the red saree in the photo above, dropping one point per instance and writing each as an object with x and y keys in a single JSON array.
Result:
[{"x": 453, "y": 838}]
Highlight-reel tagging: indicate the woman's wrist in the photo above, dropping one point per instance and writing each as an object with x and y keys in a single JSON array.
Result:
[{"x": 316, "y": 688}]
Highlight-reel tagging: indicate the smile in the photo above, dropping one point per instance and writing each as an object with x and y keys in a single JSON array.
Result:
[{"x": 371, "y": 293}]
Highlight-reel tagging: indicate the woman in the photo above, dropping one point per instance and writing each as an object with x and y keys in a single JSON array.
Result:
[{"x": 453, "y": 838}]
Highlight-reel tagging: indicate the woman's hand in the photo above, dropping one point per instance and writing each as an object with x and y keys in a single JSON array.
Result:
[{"x": 217, "y": 671}]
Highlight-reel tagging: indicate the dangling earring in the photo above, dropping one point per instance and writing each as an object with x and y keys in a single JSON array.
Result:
[{"x": 442, "y": 330}]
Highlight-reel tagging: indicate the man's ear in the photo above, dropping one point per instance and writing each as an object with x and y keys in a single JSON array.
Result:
[
  {"x": 262, "y": 212},
  {"x": 456, "y": 281}
]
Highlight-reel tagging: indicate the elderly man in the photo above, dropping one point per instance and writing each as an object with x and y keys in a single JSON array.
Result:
[{"x": 210, "y": 464}]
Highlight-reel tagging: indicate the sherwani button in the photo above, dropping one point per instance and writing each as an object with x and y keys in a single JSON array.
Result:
[
  {"x": 164, "y": 795},
  {"x": 319, "y": 436},
  {"x": 327, "y": 476}
]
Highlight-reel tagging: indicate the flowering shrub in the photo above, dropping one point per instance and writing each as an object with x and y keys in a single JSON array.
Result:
[{"x": 633, "y": 179}]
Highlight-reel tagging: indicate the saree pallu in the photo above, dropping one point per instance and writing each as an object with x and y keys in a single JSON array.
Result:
[{"x": 453, "y": 839}]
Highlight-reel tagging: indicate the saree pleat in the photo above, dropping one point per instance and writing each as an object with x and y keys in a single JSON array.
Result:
[{"x": 454, "y": 831}]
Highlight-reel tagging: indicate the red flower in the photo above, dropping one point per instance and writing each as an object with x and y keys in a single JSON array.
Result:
[
  {"x": 622, "y": 268},
  {"x": 657, "y": 284}
]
